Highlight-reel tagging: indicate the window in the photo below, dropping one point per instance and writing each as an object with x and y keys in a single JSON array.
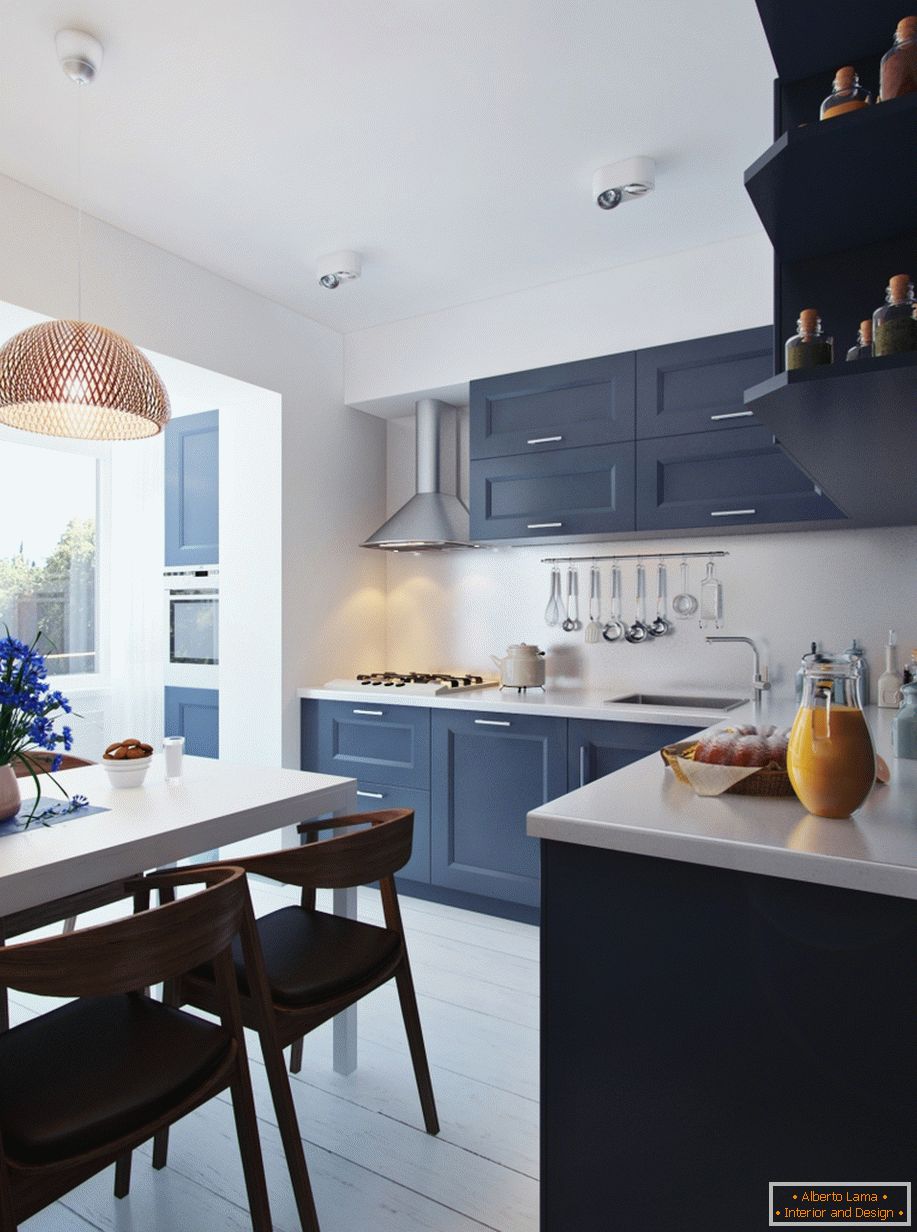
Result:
[{"x": 49, "y": 501}]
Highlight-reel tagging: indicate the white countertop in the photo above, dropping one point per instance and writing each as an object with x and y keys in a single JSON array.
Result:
[
  {"x": 569, "y": 703},
  {"x": 645, "y": 810}
]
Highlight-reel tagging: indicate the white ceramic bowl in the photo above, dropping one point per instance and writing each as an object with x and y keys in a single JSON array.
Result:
[{"x": 127, "y": 772}]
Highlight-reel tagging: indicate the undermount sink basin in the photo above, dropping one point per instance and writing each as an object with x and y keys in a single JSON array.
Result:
[{"x": 669, "y": 701}]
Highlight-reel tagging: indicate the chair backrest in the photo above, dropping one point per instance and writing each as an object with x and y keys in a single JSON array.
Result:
[
  {"x": 42, "y": 761},
  {"x": 138, "y": 950},
  {"x": 354, "y": 858}
]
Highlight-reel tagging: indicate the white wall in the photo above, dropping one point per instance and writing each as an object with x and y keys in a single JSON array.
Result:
[{"x": 331, "y": 475}]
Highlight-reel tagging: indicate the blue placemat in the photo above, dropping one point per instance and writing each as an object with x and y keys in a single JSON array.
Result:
[{"x": 50, "y": 812}]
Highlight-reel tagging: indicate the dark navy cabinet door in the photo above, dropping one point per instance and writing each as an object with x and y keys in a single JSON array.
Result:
[
  {"x": 488, "y": 772},
  {"x": 590, "y": 402},
  {"x": 597, "y": 747},
  {"x": 371, "y": 741},
  {"x": 194, "y": 714},
  {"x": 698, "y": 385},
  {"x": 192, "y": 475},
  {"x": 562, "y": 492},
  {"x": 725, "y": 479},
  {"x": 374, "y": 796}
]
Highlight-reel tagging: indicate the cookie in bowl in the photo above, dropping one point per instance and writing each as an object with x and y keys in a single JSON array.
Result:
[{"x": 127, "y": 762}]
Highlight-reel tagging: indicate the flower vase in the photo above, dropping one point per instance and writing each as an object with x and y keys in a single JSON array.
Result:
[{"x": 10, "y": 797}]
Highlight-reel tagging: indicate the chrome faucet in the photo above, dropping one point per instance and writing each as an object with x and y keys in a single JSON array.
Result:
[{"x": 760, "y": 683}]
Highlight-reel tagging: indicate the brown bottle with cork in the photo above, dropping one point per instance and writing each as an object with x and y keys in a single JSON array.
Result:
[
  {"x": 898, "y": 70},
  {"x": 862, "y": 349},
  {"x": 846, "y": 95},
  {"x": 809, "y": 347},
  {"x": 894, "y": 327}
]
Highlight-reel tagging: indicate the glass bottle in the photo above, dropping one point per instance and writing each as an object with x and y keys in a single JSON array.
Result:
[
  {"x": 863, "y": 347},
  {"x": 894, "y": 326},
  {"x": 830, "y": 758},
  {"x": 904, "y": 724},
  {"x": 898, "y": 69},
  {"x": 809, "y": 347},
  {"x": 846, "y": 94}
]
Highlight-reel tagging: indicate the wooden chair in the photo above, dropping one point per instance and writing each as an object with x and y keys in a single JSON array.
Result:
[
  {"x": 43, "y": 761},
  {"x": 83, "y": 1085},
  {"x": 314, "y": 965}
]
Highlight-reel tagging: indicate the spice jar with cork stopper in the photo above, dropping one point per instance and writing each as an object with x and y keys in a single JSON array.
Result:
[
  {"x": 846, "y": 95},
  {"x": 809, "y": 347},
  {"x": 894, "y": 327},
  {"x": 862, "y": 349},
  {"x": 898, "y": 69}
]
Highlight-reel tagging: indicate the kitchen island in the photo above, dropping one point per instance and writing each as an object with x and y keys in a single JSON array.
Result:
[{"x": 728, "y": 998}]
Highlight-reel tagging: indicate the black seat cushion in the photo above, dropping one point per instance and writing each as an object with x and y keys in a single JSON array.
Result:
[
  {"x": 95, "y": 1069},
  {"x": 311, "y": 956}
]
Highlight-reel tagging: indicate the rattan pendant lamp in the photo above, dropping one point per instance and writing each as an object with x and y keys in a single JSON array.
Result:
[{"x": 72, "y": 378}]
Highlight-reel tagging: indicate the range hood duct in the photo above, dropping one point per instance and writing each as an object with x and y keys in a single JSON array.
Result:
[{"x": 432, "y": 519}]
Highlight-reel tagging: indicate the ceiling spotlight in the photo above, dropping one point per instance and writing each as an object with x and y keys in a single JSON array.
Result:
[
  {"x": 338, "y": 267},
  {"x": 621, "y": 182}
]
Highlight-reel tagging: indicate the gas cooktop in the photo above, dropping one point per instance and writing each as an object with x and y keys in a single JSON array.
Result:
[{"x": 421, "y": 684}]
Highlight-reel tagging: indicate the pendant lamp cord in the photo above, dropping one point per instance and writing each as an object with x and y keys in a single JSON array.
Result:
[{"x": 79, "y": 201}]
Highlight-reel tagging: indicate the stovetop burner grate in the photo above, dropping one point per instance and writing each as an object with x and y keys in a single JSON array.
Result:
[{"x": 398, "y": 680}]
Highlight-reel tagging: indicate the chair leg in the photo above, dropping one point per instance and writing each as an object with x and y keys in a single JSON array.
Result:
[
  {"x": 296, "y": 1056},
  {"x": 288, "y": 1125},
  {"x": 161, "y": 1148},
  {"x": 415, "y": 1043},
  {"x": 243, "y": 1107},
  {"x": 123, "y": 1175},
  {"x": 4, "y": 1010}
]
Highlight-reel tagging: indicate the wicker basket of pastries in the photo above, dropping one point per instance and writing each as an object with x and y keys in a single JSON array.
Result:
[{"x": 747, "y": 761}]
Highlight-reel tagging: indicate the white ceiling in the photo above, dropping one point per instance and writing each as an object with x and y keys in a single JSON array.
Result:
[{"x": 452, "y": 142}]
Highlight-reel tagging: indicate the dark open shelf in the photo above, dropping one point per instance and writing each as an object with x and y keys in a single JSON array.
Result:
[
  {"x": 841, "y": 183},
  {"x": 853, "y": 429},
  {"x": 814, "y": 36}
]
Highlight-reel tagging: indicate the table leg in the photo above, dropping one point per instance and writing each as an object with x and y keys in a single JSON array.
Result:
[{"x": 344, "y": 1027}]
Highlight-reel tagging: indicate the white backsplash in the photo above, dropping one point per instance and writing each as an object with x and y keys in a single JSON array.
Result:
[{"x": 784, "y": 590}]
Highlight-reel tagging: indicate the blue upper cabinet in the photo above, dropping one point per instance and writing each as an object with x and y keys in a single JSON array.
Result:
[
  {"x": 192, "y": 482},
  {"x": 561, "y": 492},
  {"x": 724, "y": 479},
  {"x": 699, "y": 385},
  {"x": 590, "y": 402}
]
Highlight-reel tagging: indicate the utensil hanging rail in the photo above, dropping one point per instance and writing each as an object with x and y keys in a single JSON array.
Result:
[{"x": 573, "y": 560}]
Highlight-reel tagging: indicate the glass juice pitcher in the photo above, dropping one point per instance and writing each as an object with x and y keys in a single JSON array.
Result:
[{"x": 830, "y": 758}]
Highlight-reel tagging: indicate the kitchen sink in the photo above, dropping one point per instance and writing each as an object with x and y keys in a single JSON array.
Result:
[{"x": 671, "y": 701}]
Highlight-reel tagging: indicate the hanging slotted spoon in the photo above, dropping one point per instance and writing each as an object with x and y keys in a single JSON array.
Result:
[{"x": 594, "y": 628}]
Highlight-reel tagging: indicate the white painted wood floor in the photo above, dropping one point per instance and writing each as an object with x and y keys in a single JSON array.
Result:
[{"x": 373, "y": 1167}]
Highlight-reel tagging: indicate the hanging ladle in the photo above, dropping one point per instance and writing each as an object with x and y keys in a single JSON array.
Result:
[
  {"x": 661, "y": 625},
  {"x": 639, "y": 631},
  {"x": 615, "y": 628}
]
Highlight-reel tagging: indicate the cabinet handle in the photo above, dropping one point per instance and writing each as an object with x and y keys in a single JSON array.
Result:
[
  {"x": 731, "y": 513},
  {"x": 582, "y": 766},
  {"x": 372, "y": 795},
  {"x": 543, "y": 525},
  {"x": 375, "y": 713},
  {"x": 733, "y": 415},
  {"x": 493, "y": 722},
  {"x": 543, "y": 440}
]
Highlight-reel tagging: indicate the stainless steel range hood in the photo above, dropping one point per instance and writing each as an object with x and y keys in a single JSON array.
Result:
[{"x": 432, "y": 519}]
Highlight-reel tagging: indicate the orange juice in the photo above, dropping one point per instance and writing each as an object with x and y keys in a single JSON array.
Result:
[{"x": 830, "y": 759}]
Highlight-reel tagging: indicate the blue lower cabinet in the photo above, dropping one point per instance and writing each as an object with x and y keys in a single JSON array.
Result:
[
  {"x": 194, "y": 714},
  {"x": 597, "y": 747},
  {"x": 734, "y": 477},
  {"x": 371, "y": 797},
  {"x": 488, "y": 772},
  {"x": 367, "y": 740}
]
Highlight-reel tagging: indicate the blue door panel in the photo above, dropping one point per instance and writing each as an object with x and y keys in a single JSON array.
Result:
[
  {"x": 375, "y": 742},
  {"x": 597, "y": 747},
  {"x": 194, "y": 714},
  {"x": 192, "y": 496},
  {"x": 589, "y": 402},
  {"x": 374, "y": 796},
  {"x": 699, "y": 385},
  {"x": 561, "y": 492},
  {"x": 736, "y": 477},
  {"x": 488, "y": 772}
]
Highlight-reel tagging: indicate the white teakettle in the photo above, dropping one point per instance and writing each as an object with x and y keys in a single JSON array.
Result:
[{"x": 521, "y": 668}]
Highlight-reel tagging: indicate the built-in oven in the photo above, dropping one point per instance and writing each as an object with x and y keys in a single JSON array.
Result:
[{"x": 193, "y": 626}]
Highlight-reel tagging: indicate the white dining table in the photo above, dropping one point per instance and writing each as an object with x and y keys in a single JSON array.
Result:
[{"x": 213, "y": 805}]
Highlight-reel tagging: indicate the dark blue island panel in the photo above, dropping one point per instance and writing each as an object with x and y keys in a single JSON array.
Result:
[
  {"x": 588, "y": 402},
  {"x": 192, "y": 483},
  {"x": 194, "y": 714},
  {"x": 699, "y": 385},
  {"x": 561, "y": 492},
  {"x": 737, "y": 477},
  {"x": 489, "y": 771},
  {"x": 706, "y": 1031}
]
